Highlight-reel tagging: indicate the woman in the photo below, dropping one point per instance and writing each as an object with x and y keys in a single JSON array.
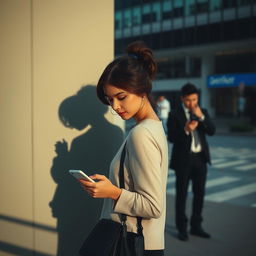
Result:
[{"x": 125, "y": 85}]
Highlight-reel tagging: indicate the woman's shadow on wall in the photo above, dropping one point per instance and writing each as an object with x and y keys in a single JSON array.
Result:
[{"x": 91, "y": 152}]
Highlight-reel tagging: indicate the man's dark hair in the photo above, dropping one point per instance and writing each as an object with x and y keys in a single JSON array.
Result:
[{"x": 188, "y": 89}]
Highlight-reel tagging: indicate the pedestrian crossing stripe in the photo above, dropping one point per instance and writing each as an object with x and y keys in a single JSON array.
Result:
[
  {"x": 221, "y": 196},
  {"x": 170, "y": 179},
  {"x": 239, "y": 159},
  {"x": 246, "y": 167},
  {"x": 220, "y": 181},
  {"x": 242, "y": 164},
  {"x": 251, "y": 155},
  {"x": 229, "y": 164},
  {"x": 219, "y": 152},
  {"x": 219, "y": 160},
  {"x": 232, "y": 193},
  {"x": 209, "y": 183}
]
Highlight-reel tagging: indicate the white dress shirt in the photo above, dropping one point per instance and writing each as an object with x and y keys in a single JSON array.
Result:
[
  {"x": 194, "y": 148},
  {"x": 163, "y": 108}
]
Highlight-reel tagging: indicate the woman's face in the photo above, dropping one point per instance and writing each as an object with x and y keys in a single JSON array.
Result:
[{"x": 126, "y": 104}]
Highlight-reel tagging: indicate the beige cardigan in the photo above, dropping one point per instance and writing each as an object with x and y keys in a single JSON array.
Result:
[{"x": 145, "y": 174}]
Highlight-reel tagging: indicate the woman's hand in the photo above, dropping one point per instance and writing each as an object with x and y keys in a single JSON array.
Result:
[{"x": 103, "y": 188}]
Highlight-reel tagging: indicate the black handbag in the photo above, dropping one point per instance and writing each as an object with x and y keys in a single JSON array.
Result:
[{"x": 110, "y": 238}]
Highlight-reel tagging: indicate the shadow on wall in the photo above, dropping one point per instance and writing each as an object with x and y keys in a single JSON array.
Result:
[{"x": 91, "y": 152}]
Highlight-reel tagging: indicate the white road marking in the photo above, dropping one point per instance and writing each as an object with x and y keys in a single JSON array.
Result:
[
  {"x": 209, "y": 184},
  {"x": 219, "y": 160},
  {"x": 220, "y": 181},
  {"x": 232, "y": 193},
  {"x": 229, "y": 164},
  {"x": 251, "y": 155},
  {"x": 246, "y": 167},
  {"x": 170, "y": 179}
]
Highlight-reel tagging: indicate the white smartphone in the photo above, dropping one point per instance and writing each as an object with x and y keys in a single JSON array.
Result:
[{"x": 78, "y": 174}]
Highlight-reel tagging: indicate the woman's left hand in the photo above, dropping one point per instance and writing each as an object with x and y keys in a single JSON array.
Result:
[{"x": 103, "y": 188}]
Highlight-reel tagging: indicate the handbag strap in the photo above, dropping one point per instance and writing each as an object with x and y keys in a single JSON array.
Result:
[{"x": 121, "y": 182}]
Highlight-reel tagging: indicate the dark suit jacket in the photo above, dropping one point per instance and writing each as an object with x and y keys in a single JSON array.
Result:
[{"x": 182, "y": 142}]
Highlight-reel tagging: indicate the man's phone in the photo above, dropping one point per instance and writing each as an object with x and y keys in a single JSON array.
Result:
[
  {"x": 80, "y": 175},
  {"x": 194, "y": 117}
]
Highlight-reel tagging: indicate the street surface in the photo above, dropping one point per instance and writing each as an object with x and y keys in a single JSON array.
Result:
[
  {"x": 232, "y": 175},
  {"x": 230, "y": 202}
]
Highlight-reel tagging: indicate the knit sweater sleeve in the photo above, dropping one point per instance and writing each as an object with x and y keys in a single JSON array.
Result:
[{"x": 144, "y": 164}]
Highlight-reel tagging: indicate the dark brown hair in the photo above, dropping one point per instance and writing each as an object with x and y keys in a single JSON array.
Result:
[
  {"x": 132, "y": 72},
  {"x": 188, "y": 89}
]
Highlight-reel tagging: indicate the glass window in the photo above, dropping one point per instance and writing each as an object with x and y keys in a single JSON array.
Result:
[
  {"x": 195, "y": 67},
  {"x": 135, "y": 2},
  {"x": 167, "y": 68},
  {"x": 146, "y": 13},
  {"x": 167, "y": 10},
  {"x": 126, "y": 4},
  {"x": 118, "y": 4},
  {"x": 127, "y": 18},
  {"x": 202, "y": 6},
  {"x": 176, "y": 68},
  {"x": 177, "y": 3},
  {"x": 136, "y": 16},
  {"x": 229, "y": 3},
  {"x": 215, "y": 5},
  {"x": 178, "y": 8},
  {"x": 199, "y": 6},
  {"x": 167, "y": 5},
  {"x": 189, "y": 7},
  {"x": 146, "y": 8},
  {"x": 244, "y": 2},
  {"x": 118, "y": 20},
  {"x": 156, "y": 8},
  {"x": 244, "y": 62}
]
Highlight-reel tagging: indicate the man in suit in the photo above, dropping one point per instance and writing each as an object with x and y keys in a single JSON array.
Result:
[{"x": 187, "y": 127}]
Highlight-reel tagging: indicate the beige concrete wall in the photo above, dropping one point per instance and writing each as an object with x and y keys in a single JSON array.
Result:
[
  {"x": 49, "y": 50},
  {"x": 16, "y": 182}
]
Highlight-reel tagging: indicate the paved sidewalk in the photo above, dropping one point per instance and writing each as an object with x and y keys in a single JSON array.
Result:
[
  {"x": 232, "y": 228},
  {"x": 223, "y": 126}
]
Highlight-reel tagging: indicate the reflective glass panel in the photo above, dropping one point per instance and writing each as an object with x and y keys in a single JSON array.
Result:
[
  {"x": 215, "y": 5},
  {"x": 118, "y": 20},
  {"x": 127, "y": 18},
  {"x": 136, "y": 16}
]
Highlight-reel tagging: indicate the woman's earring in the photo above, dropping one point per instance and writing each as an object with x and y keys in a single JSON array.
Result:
[{"x": 113, "y": 112}]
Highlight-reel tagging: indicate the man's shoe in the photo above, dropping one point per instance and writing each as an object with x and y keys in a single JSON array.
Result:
[
  {"x": 183, "y": 236},
  {"x": 199, "y": 232}
]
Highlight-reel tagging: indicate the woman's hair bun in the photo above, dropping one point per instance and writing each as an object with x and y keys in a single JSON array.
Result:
[{"x": 138, "y": 50}]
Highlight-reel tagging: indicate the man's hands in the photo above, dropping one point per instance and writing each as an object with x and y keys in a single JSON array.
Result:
[
  {"x": 101, "y": 189},
  {"x": 190, "y": 126},
  {"x": 197, "y": 111}
]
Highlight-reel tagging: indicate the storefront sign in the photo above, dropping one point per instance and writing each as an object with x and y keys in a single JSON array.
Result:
[{"x": 231, "y": 80}]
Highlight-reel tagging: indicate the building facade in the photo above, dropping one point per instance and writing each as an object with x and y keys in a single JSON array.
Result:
[{"x": 193, "y": 41}]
